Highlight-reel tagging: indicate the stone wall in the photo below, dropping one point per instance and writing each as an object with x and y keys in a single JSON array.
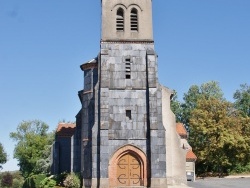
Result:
[
  {"x": 129, "y": 110},
  {"x": 176, "y": 156}
]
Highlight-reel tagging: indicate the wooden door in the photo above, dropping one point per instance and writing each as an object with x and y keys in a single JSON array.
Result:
[{"x": 128, "y": 171}]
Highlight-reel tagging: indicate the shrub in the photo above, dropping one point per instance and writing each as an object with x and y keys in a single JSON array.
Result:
[
  {"x": 72, "y": 181},
  {"x": 18, "y": 179},
  {"x": 60, "y": 178},
  {"x": 241, "y": 169},
  {"x": 17, "y": 183},
  {"x": 34, "y": 181},
  {"x": 48, "y": 182},
  {"x": 7, "y": 180}
]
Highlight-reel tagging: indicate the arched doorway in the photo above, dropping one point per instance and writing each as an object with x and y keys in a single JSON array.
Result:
[
  {"x": 128, "y": 168},
  {"x": 129, "y": 171}
]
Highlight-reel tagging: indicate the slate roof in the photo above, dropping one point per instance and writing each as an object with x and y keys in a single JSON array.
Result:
[
  {"x": 65, "y": 129},
  {"x": 90, "y": 64}
]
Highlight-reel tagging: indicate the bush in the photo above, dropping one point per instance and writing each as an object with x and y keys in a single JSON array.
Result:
[
  {"x": 7, "y": 180},
  {"x": 18, "y": 179},
  {"x": 34, "y": 181},
  {"x": 17, "y": 183},
  {"x": 48, "y": 182},
  {"x": 72, "y": 181},
  {"x": 241, "y": 169},
  {"x": 60, "y": 178}
]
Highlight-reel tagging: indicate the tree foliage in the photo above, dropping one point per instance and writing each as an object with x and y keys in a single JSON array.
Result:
[
  {"x": 219, "y": 135},
  {"x": 195, "y": 93},
  {"x": 32, "y": 139},
  {"x": 176, "y": 107},
  {"x": 3, "y": 156},
  {"x": 242, "y": 99},
  {"x": 219, "y": 130}
]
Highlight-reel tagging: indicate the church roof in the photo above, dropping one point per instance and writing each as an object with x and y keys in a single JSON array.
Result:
[
  {"x": 65, "y": 129},
  {"x": 90, "y": 64}
]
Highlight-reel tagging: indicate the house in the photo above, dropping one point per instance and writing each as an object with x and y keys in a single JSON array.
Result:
[{"x": 190, "y": 156}]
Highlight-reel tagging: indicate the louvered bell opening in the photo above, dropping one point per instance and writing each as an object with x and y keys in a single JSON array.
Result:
[
  {"x": 119, "y": 21},
  {"x": 128, "y": 69},
  {"x": 134, "y": 21}
]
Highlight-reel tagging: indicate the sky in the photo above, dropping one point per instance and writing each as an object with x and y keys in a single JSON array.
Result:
[{"x": 44, "y": 42}]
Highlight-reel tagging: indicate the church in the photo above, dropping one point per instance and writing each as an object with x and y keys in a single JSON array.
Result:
[{"x": 125, "y": 133}]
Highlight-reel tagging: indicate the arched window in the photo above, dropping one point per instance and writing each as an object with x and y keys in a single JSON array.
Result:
[
  {"x": 120, "y": 20},
  {"x": 134, "y": 20}
]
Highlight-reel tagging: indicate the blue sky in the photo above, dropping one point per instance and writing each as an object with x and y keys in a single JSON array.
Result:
[{"x": 43, "y": 43}]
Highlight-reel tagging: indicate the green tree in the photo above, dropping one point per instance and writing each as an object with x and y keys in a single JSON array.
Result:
[
  {"x": 242, "y": 99},
  {"x": 195, "y": 93},
  {"x": 176, "y": 107},
  {"x": 219, "y": 135},
  {"x": 32, "y": 139},
  {"x": 3, "y": 156}
]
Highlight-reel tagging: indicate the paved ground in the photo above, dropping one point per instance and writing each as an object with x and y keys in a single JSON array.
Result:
[{"x": 232, "y": 182}]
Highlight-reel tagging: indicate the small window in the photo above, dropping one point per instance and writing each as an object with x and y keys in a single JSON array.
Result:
[
  {"x": 128, "y": 114},
  {"x": 134, "y": 20},
  {"x": 128, "y": 68},
  {"x": 120, "y": 20}
]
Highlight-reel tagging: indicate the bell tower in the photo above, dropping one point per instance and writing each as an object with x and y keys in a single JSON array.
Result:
[
  {"x": 131, "y": 132},
  {"x": 127, "y": 20}
]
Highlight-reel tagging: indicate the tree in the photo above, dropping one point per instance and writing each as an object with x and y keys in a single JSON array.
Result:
[
  {"x": 219, "y": 135},
  {"x": 3, "y": 156},
  {"x": 43, "y": 164},
  {"x": 195, "y": 93},
  {"x": 32, "y": 139},
  {"x": 176, "y": 107},
  {"x": 242, "y": 99}
]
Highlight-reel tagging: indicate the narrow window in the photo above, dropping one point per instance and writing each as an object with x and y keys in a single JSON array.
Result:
[
  {"x": 134, "y": 20},
  {"x": 120, "y": 20},
  {"x": 128, "y": 68},
  {"x": 128, "y": 114}
]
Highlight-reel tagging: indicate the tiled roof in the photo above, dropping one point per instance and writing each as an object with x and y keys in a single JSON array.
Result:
[
  {"x": 65, "y": 129},
  {"x": 181, "y": 130},
  {"x": 190, "y": 156}
]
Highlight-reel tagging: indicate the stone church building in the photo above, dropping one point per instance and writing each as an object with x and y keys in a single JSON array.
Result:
[{"x": 125, "y": 133}]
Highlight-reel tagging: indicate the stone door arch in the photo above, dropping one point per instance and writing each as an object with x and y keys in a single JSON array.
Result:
[{"x": 128, "y": 168}]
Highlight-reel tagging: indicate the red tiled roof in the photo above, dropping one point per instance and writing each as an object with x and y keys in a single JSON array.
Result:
[
  {"x": 190, "y": 156},
  {"x": 181, "y": 130},
  {"x": 65, "y": 129}
]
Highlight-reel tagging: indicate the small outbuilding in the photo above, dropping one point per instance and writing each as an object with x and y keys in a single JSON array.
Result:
[{"x": 190, "y": 156}]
